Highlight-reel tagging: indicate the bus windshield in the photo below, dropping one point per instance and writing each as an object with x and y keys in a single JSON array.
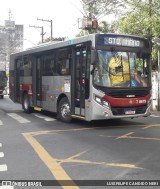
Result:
[{"x": 122, "y": 69}]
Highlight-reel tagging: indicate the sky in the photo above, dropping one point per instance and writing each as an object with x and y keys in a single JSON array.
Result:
[{"x": 63, "y": 13}]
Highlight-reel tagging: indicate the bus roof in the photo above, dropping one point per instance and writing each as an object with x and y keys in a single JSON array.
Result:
[{"x": 59, "y": 44}]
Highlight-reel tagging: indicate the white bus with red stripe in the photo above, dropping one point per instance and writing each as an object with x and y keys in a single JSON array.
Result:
[{"x": 99, "y": 76}]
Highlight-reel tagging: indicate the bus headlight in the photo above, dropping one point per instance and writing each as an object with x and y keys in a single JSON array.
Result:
[
  {"x": 98, "y": 99},
  {"x": 102, "y": 102}
]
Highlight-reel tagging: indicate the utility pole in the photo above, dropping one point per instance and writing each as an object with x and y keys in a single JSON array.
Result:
[
  {"x": 51, "y": 26},
  {"x": 41, "y": 27}
]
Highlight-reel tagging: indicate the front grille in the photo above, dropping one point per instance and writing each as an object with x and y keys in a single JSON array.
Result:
[
  {"x": 124, "y": 93},
  {"x": 121, "y": 110}
]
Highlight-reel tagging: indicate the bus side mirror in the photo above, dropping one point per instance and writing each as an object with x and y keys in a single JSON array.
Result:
[{"x": 94, "y": 57}]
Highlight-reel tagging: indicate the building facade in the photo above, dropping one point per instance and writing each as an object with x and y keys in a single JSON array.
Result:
[{"x": 11, "y": 41}]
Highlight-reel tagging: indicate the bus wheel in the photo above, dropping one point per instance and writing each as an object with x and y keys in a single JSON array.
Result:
[
  {"x": 64, "y": 110},
  {"x": 26, "y": 104}
]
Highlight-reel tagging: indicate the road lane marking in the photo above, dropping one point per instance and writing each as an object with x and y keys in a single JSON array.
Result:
[
  {"x": 1, "y": 154},
  {"x": 125, "y": 136},
  {"x": 128, "y": 136},
  {"x": 151, "y": 125},
  {"x": 3, "y": 167},
  {"x": 55, "y": 167},
  {"x": 46, "y": 118},
  {"x": 1, "y": 123},
  {"x": 36, "y": 133},
  {"x": 54, "y": 164},
  {"x": 18, "y": 118},
  {"x": 73, "y": 160},
  {"x": 143, "y": 138}
]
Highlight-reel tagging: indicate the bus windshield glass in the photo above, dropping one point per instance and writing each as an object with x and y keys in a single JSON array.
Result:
[{"x": 122, "y": 69}]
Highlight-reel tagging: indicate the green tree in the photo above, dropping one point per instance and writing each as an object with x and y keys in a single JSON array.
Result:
[
  {"x": 142, "y": 18},
  {"x": 98, "y": 9},
  {"x": 101, "y": 8}
]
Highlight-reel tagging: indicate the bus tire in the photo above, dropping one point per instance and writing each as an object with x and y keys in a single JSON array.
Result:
[
  {"x": 64, "y": 113},
  {"x": 26, "y": 104},
  {"x": 2, "y": 96}
]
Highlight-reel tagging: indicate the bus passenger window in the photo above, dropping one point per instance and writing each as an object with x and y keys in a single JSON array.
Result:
[
  {"x": 52, "y": 67},
  {"x": 63, "y": 65},
  {"x": 49, "y": 66},
  {"x": 27, "y": 67}
]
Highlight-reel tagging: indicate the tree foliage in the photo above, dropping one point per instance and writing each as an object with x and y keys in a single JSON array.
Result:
[
  {"x": 99, "y": 9},
  {"x": 136, "y": 17},
  {"x": 142, "y": 19}
]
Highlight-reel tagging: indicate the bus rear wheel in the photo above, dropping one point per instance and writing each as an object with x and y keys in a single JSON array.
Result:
[
  {"x": 26, "y": 104},
  {"x": 64, "y": 110}
]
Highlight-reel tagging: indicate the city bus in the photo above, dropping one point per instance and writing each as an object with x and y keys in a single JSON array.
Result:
[
  {"x": 3, "y": 83},
  {"x": 94, "y": 77}
]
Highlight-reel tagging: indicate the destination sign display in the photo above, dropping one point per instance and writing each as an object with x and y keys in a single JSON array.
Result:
[{"x": 121, "y": 41}]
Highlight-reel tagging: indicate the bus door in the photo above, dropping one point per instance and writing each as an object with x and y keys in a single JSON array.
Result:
[
  {"x": 37, "y": 82},
  {"x": 17, "y": 79},
  {"x": 78, "y": 81}
]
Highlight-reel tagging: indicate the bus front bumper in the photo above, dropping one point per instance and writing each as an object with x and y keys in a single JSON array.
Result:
[{"x": 100, "y": 113}]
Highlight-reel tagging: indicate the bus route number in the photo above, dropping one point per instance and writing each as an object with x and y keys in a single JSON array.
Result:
[{"x": 143, "y": 101}]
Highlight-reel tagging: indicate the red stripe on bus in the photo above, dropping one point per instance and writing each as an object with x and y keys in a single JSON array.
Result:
[{"x": 122, "y": 102}]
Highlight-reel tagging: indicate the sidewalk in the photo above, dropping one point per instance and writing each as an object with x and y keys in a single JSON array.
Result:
[{"x": 155, "y": 112}]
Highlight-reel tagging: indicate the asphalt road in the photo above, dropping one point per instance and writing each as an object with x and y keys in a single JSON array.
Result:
[{"x": 38, "y": 147}]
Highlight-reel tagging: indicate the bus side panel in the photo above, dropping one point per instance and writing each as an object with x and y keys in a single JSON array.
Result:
[
  {"x": 48, "y": 94},
  {"x": 25, "y": 86},
  {"x": 52, "y": 88},
  {"x": 12, "y": 79}
]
